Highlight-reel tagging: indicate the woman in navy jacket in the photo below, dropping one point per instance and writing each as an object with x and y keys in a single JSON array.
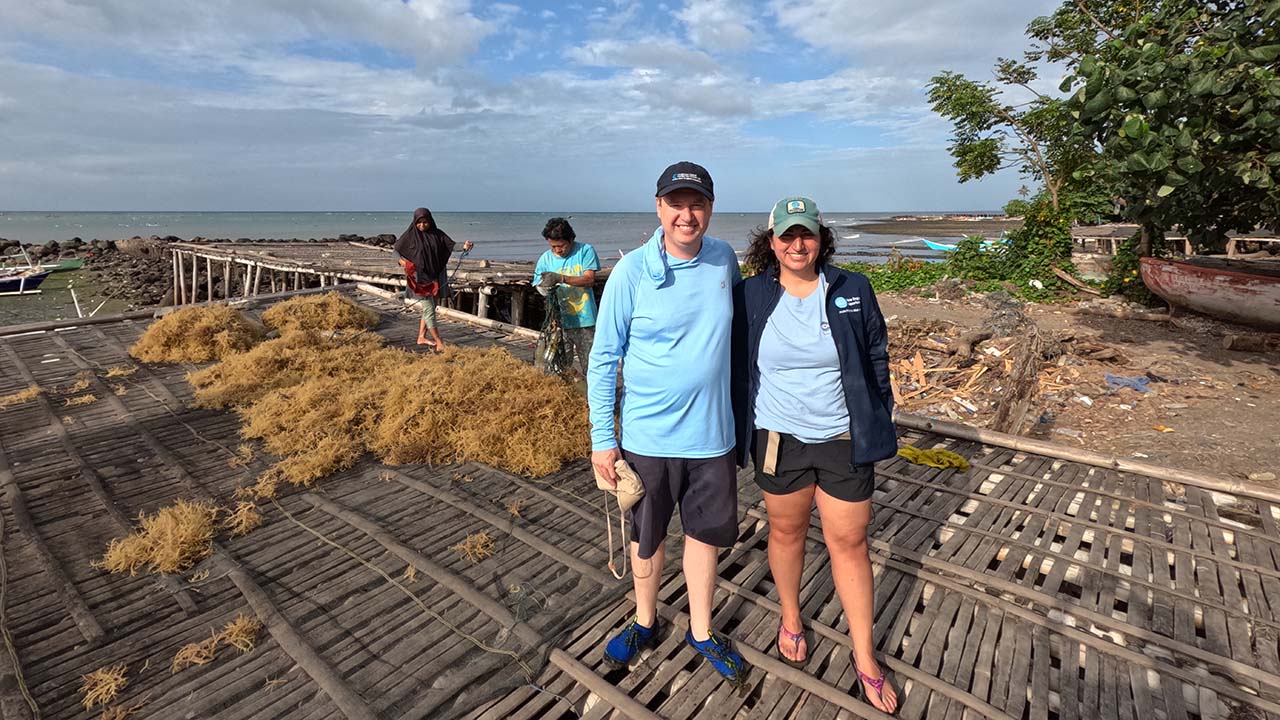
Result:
[{"x": 813, "y": 407}]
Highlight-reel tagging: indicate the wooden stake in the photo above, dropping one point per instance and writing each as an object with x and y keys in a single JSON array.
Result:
[
  {"x": 177, "y": 291},
  {"x": 181, "y": 279},
  {"x": 257, "y": 278},
  {"x": 226, "y": 279},
  {"x": 195, "y": 278},
  {"x": 208, "y": 271}
]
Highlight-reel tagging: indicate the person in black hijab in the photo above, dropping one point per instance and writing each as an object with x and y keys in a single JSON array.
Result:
[{"x": 424, "y": 251}]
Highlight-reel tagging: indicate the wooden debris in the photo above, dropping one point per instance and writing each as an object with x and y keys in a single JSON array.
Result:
[{"x": 1245, "y": 343}]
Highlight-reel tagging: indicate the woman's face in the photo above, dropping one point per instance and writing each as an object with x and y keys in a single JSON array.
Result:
[
  {"x": 796, "y": 249},
  {"x": 422, "y": 224}
]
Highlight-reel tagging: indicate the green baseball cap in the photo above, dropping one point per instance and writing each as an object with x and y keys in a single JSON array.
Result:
[{"x": 795, "y": 211}]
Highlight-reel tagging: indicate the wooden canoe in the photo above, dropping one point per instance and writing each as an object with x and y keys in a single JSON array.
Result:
[{"x": 1242, "y": 291}]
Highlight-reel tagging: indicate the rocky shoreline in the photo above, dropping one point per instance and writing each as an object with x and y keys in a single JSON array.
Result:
[{"x": 136, "y": 270}]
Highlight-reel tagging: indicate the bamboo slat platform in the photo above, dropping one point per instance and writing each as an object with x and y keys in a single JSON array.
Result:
[{"x": 1027, "y": 587}]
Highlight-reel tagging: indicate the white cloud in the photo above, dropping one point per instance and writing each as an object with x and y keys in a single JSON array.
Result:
[
  {"x": 924, "y": 34},
  {"x": 718, "y": 24},
  {"x": 431, "y": 31},
  {"x": 643, "y": 54}
]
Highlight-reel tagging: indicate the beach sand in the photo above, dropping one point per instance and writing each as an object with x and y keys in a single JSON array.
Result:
[{"x": 940, "y": 228}]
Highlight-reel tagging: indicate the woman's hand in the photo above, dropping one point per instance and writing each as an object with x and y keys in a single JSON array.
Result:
[{"x": 466, "y": 246}]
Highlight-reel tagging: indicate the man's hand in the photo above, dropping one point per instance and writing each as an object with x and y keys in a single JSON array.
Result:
[
  {"x": 603, "y": 462},
  {"x": 550, "y": 280}
]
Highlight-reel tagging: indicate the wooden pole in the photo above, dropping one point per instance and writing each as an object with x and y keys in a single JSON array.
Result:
[
  {"x": 248, "y": 276},
  {"x": 1088, "y": 457},
  {"x": 195, "y": 278},
  {"x": 257, "y": 278},
  {"x": 226, "y": 279},
  {"x": 274, "y": 289},
  {"x": 182, "y": 278},
  {"x": 482, "y": 302},
  {"x": 517, "y": 306},
  {"x": 177, "y": 291},
  {"x": 297, "y": 280},
  {"x": 208, "y": 271}
]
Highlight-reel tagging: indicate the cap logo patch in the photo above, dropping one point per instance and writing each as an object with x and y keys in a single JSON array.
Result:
[
  {"x": 677, "y": 177},
  {"x": 795, "y": 206}
]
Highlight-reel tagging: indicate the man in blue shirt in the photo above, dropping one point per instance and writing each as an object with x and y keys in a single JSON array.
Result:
[
  {"x": 566, "y": 274},
  {"x": 666, "y": 314}
]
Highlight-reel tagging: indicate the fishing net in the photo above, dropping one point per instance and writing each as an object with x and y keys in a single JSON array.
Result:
[{"x": 553, "y": 353}]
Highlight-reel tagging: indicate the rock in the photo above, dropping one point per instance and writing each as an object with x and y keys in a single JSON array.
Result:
[{"x": 1262, "y": 477}]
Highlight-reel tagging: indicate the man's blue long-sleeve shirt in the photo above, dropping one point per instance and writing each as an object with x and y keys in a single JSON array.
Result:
[{"x": 669, "y": 321}]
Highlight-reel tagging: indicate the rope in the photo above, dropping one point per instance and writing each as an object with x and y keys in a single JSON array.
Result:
[
  {"x": 622, "y": 534},
  {"x": 4, "y": 630},
  {"x": 524, "y": 668}
]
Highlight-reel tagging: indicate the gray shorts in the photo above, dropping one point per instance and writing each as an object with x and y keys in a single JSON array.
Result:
[{"x": 705, "y": 489}]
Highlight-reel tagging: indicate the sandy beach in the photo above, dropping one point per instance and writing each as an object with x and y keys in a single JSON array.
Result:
[{"x": 940, "y": 228}]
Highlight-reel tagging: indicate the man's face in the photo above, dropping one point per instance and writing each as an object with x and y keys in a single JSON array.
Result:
[
  {"x": 684, "y": 215},
  {"x": 561, "y": 247}
]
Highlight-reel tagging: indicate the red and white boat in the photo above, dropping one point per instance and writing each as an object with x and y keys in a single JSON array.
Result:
[{"x": 1242, "y": 291}]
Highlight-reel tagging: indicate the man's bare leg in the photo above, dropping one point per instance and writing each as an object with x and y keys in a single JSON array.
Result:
[
  {"x": 647, "y": 576},
  {"x": 700, "y": 579}
]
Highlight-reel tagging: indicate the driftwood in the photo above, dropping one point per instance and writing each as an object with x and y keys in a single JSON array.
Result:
[
  {"x": 1023, "y": 384},
  {"x": 1245, "y": 343},
  {"x": 1073, "y": 282},
  {"x": 962, "y": 347},
  {"x": 1121, "y": 313}
]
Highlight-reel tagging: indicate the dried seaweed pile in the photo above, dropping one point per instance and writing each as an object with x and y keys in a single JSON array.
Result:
[
  {"x": 196, "y": 335},
  {"x": 329, "y": 404},
  {"x": 321, "y": 313},
  {"x": 321, "y": 400},
  {"x": 241, "y": 634},
  {"x": 173, "y": 539}
]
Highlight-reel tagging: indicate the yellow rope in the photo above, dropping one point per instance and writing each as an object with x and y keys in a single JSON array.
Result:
[
  {"x": 937, "y": 457},
  {"x": 524, "y": 668}
]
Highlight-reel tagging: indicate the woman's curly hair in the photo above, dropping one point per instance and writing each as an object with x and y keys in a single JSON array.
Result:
[{"x": 760, "y": 255}]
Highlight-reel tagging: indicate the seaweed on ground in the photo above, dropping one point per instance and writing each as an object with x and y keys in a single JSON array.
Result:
[
  {"x": 325, "y": 313},
  {"x": 196, "y": 335},
  {"x": 241, "y": 633},
  {"x": 102, "y": 685},
  {"x": 197, "y": 653},
  {"x": 173, "y": 539},
  {"x": 243, "y": 519},
  {"x": 19, "y": 397}
]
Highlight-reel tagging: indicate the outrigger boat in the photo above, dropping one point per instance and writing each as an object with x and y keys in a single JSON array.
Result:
[
  {"x": 1243, "y": 291},
  {"x": 23, "y": 282},
  {"x": 951, "y": 247}
]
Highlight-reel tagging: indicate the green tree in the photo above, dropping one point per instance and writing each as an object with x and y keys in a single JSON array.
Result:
[
  {"x": 991, "y": 132},
  {"x": 1183, "y": 102}
]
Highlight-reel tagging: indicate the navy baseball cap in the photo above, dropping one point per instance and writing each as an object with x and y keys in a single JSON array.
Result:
[{"x": 686, "y": 175}]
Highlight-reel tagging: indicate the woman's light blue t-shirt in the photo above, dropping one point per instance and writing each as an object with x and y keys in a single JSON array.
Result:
[{"x": 800, "y": 391}]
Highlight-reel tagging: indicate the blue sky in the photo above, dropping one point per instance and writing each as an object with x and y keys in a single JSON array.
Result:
[{"x": 459, "y": 105}]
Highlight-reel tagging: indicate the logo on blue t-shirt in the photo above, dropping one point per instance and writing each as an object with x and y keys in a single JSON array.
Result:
[{"x": 842, "y": 303}]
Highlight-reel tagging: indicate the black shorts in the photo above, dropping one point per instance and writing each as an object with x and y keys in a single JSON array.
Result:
[
  {"x": 706, "y": 489},
  {"x": 801, "y": 464}
]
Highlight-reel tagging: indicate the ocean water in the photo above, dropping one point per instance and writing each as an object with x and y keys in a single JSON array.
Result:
[{"x": 497, "y": 235}]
